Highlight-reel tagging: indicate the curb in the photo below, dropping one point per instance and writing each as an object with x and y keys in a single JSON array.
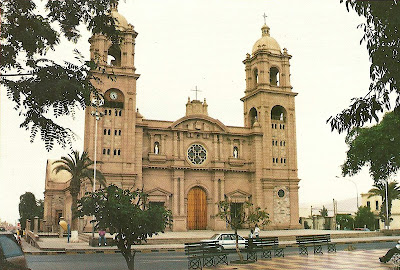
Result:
[{"x": 166, "y": 250}]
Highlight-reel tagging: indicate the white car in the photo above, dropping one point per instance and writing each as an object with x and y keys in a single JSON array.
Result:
[{"x": 228, "y": 240}]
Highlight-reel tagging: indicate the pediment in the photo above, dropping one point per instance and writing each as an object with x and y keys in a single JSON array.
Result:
[
  {"x": 158, "y": 192},
  {"x": 238, "y": 194},
  {"x": 199, "y": 123}
]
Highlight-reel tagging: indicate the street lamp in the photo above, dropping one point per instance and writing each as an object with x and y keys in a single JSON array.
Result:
[
  {"x": 96, "y": 102},
  {"x": 354, "y": 185}
]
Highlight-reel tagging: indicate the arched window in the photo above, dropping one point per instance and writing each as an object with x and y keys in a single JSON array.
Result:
[
  {"x": 105, "y": 132},
  {"x": 120, "y": 113},
  {"x": 115, "y": 152},
  {"x": 119, "y": 152},
  {"x": 156, "y": 148},
  {"x": 274, "y": 76},
  {"x": 253, "y": 116},
  {"x": 114, "y": 56},
  {"x": 115, "y": 132},
  {"x": 235, "y": 152},
  {"x": 108, "y": 151},
  {"x": 119, "y": 132},
  {"x": 255, "y": 73},
  {"x": 278, "y": 113},
  {"x": 109, "y": 132},
  {"x": 104, "y": 151}
]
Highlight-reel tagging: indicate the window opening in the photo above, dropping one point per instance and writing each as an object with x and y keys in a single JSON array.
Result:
[
  {"x": 108, "y": 151},
  {"x": 119, "y": 152},
  {"x": 119, "y": 132},
  {"x": 105, "y": 132},
  {"x": 114, "y": 55},
  {"x": 253, "y": 116},
  {"x": 274, "y": 76},
  {"x": 255, "y": 77},
  {"x": 115, "y": 132},
  {"x": 278, "y": 113},
  {"x": 109, "y": 132},
  {"x": 120, "y": 113}
]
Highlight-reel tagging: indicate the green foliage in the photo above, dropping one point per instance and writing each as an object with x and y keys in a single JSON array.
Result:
[
  {"x": 29, "y": 208},
  {"x": 364, "y": 218},
  {"x": 79, "y": 166},
  {"x": 382, "y": 38},
  {"x": 127, "y": 214},
  {"x": 377, "y": 147},
  {"x": 37, "y": 85},
  {"x": 323, "y": 212},
  {"x": 393, "y": 193},
  {"x": 236, "y": 216},
  {"x": 345, "y": 221}
]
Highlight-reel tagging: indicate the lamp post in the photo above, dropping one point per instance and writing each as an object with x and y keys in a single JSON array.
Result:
[
  {"x": 96, "y": 102},
  {"x": 354, "y": 185}
]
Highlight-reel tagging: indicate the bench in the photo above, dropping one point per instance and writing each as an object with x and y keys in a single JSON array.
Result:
[
  {"x": 265, "y": 245},
  {"x": 205, "y": 254},
  {"x": 396, "y": 261},
  {"x": 316, "y": 241}
]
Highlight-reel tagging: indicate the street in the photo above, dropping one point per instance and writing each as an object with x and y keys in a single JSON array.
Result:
[{"x": 146, "y": 261}]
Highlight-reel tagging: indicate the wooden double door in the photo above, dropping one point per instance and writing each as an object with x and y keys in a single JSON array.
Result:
[{"x": 197, "y": 209}]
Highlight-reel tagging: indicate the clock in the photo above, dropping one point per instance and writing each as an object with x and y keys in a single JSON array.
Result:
[{"x": 113, "y": 95}]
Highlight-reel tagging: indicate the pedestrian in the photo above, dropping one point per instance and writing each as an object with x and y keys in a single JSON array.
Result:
[
  {"x": 390, "y": 253},
  {"x": 102, "y": 237},
  {"x": 256, "y": 231}
]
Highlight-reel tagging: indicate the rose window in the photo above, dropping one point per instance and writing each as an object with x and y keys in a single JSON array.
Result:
[{"x": 197, "y": 154}]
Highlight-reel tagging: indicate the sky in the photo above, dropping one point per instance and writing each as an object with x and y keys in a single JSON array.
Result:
[{"x": 187, "y": 43}]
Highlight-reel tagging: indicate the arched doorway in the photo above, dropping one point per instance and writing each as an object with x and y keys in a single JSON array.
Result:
[{"x": 197, "y": 209}]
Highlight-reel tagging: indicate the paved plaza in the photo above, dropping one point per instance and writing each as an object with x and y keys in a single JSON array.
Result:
[{"x": 346, "y": 260}]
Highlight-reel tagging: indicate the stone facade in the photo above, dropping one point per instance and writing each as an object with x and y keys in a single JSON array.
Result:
[{"x": 190, "y": 164}]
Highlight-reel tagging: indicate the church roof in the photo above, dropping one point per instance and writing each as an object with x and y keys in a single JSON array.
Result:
[
  {"x": 200, "y": 117},
  {"x": 266, "y": 42},
  {"x": 121, "y": 23}
]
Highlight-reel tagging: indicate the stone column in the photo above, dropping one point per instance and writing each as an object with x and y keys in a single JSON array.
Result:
[
  {"x": 28, "y": 225},
  {"x": 176, "y": 155},
  {"x": 175, "y": 197},
  {"x": 81, "y": 221},
  {"x": 35, "y": 225},
  {"x": 182, "y": 196}
]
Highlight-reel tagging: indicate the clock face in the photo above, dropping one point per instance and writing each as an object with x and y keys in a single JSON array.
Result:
[{"x": 113, "y": 95}]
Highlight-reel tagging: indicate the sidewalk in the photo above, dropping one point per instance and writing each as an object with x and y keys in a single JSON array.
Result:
[{"x": 173, "y": 241}]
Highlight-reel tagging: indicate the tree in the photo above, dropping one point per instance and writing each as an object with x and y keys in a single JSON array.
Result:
[
  {"x": 345, "y": 221},
  {"x": 324, "y": 211},
  {"x": 393, "y": 193},
  {"x": 29, "y": 208},
  {"x": 364, "y": 218},
  {"x": 236, "y": 217},
  {"x": 382, "y": 39},
  {"x": 377, "y": 147},
  {"x": 127, "y": 214},
  {"x": 79, "y": 167},
  {"x": 38, "y": 86}
]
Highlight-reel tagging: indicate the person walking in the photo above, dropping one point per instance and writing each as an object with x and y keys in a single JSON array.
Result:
[
  {"x": 102, "y": 237},
  {"x": 389, "y": 254}
]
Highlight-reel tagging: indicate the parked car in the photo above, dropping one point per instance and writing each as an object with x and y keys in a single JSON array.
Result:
[
  {"x": 11, "y": 251},
  {"x": 228, "y": 240}
]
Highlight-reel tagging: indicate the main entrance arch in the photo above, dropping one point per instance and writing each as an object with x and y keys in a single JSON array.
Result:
[{"x": 197, "y": 209}]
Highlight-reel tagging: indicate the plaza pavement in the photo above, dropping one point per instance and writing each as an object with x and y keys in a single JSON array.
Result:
[
  {"x": 174, "y": 241},
  {"x": 344, "y": 260}
]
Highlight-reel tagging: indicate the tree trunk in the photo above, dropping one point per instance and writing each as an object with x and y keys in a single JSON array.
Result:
[
  {"x": 129, "y": 257},
  {"x": 237, "y": 247},
  {"x": 74, "y": 220}
]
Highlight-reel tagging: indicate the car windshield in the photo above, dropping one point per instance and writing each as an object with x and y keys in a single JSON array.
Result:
[
  {"x": 215, "y": 236},
  {"x": 9, "y": 247}
]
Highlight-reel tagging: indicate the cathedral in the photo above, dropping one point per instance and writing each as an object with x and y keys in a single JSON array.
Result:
[{"x": 190, "y": 164}]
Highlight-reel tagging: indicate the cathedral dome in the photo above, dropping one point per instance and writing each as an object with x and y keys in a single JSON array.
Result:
[
  {"x": 121, "y": 23},
  {"x": 266, "y": 42}
]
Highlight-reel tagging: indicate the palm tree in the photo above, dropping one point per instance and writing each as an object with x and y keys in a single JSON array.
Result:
[
  {"x": 79, "y": 168},
  {"x": 393, "y": 193}
]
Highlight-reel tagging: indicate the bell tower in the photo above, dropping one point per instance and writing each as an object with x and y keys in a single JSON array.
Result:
[
  {"x": 116, "y": 80},
  {"x": 269, "y": 110}
]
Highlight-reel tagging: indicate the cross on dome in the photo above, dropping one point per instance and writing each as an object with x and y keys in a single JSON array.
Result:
[
  {"x": 265, "y": 18},
  {"x": 196, "y": 90}
]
